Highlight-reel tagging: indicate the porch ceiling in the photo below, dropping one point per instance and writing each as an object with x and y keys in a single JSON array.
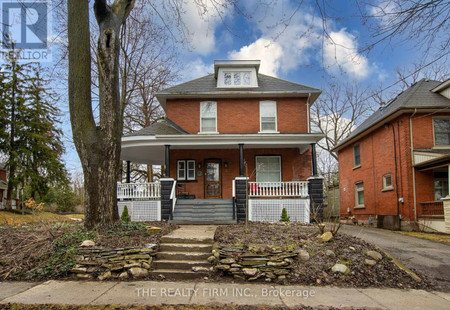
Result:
[{"x": 150, "y": 149}]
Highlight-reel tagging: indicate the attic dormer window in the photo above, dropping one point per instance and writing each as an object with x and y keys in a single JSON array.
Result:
[
  {"x": 237, "y": 78},
  {"x": 234, "y": 78}
]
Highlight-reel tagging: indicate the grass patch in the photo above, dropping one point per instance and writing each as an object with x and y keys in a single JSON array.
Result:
[
  {"x": 15, "y": 217},
  {"x": 428, "y": 236}
]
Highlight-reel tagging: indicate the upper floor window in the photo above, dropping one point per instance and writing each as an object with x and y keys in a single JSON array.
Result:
[
  {"x": 356, "y": 156},
  {"x": 268, "y": 116},
  {"x": 208, "y": 116},
  {"x": 237, "y": 78},
  {"x": 387, "y": 182},
  {"x": 441, "y": 131},
  {"x": 268, "y": 169}
]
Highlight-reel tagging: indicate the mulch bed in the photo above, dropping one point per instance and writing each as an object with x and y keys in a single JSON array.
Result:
[
  {"x": 26, "y": 250},
  {"x": 317, "y": 270}
]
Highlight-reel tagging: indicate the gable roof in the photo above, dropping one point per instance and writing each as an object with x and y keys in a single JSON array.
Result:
[
  {"x": 418, "y": 96},
  {"x": 160, "y": 127},
  {"x": 206, "y": 87}
]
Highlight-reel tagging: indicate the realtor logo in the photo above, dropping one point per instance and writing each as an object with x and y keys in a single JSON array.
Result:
[{"x": 26, "y": 27}]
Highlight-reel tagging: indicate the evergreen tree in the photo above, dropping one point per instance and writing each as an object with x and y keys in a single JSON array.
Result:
[
  {"x": 284, "y": 216},
  {"x": 125, "y": 217}
]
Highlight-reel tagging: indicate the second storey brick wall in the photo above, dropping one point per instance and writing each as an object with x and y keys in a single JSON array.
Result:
[{"x": 240, "y": 115}]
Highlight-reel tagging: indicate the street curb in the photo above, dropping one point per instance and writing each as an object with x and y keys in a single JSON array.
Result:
[{"x": 402, "y": 266}]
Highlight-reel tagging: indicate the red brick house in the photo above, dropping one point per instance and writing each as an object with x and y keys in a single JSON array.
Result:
[
  {"x": 221, "y": 131},
  {"x": 395, "y": 166}
]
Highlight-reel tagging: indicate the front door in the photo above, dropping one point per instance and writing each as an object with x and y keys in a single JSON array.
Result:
[{"x": 213, "y": 179}]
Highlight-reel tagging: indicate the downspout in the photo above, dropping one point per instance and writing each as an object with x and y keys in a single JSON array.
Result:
[
  {"x": 412, "y": 165},
  {"x": 307, "y": 113},
  {"x": 396, "y": 170}
]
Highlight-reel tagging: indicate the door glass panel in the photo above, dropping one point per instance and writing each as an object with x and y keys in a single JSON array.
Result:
[
  {"x": 212, "y": 172},
  {"x": 212, "y": 190}
]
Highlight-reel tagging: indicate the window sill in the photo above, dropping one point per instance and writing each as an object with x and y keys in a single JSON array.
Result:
[
  {"x": 388, "y": 189},
  {"x": 187, "y": 181},
  {"x": 208, "y": 133},
  {"x": 359, "y": 207},
  {"x": 441, "y": 147},
  {"x": 356, "y": 167},
  {"x": 271, "y": 131}
]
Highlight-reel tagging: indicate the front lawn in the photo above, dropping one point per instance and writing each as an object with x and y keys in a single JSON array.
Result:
[
  {"x": 363, "y": 271},
  {"x": 437, "y": 237},
  {"x": 15, "y": 217}
]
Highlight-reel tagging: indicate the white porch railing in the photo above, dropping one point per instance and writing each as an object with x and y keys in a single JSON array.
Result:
[
  {"x": 278, "y": 189},
  {"x": 147, "y": 191}
]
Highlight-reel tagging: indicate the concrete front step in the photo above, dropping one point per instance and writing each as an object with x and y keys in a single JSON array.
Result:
[
  {"x": 204, "y": 202},
  {"x": 179, "y": 264},
  {"x": 169, "y": 239},
  {"x": 183, "y": 256},
  {"x": 186, "y": 248},
  {"x": 175, "y": 274}
]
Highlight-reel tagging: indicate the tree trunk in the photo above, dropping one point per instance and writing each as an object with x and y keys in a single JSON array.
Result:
[
  {"x": 149, "y": 173},
  {"x": 98, "y": 146}
]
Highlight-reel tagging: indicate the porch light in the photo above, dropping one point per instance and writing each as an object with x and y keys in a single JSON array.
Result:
[
  {"x": 225, "y": 164},
  {"x": 199, "y": 165}
]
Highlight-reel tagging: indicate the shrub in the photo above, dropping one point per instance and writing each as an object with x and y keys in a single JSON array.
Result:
[
  {"x": 125, "y": 217},
  {"x": 284, "y": 216}
]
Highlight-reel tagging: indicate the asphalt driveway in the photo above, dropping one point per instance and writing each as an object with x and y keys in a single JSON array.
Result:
[{"x": 428, "y": 257}]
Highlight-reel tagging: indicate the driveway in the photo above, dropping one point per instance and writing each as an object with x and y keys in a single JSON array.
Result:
[{"x": 427, "y": 257}]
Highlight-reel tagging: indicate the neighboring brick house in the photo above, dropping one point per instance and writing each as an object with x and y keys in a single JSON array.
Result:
[
  {"x": 396, "y": 164},
  {"x": 223, "y": 128}
]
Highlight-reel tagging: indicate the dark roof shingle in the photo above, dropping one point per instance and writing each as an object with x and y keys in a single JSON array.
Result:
[{"x": 160, "y": 127}]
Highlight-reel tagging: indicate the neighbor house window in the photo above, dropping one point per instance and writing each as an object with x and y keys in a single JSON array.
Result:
[
  {"x": 208, "y": 116},
  {"x": 234, "y": 78},
  {"x": 356, "y": 156},
  {"x": 359, "y": 195},
  {"x": 268, "y": 116},
  {"x": 186, "y": 169},
  {"x": 441, "y": 131},
  {"x": 387, "y": 182},
  {"x": 268, "y": 169}
]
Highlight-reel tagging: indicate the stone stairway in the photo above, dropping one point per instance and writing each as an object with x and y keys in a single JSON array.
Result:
[
  {"x": 203, "y": 211},
  {"x": 183, "y": 249}
]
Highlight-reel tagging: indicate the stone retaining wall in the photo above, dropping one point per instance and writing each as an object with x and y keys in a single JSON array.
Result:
[
  {"x": 120, "y": 263},
  {"x": 258, "y": 262}
]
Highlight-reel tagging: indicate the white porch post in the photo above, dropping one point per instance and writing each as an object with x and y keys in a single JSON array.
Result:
[{"x": 446, "y": 202}]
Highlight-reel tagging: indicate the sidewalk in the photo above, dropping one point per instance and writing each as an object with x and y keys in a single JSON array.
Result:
[{"x": 201, "y": 293}]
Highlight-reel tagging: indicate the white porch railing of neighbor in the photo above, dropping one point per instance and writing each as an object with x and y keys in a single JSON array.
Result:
[
  {"x": 139, "y": 191},
  {"x": 278, "y": 189}
]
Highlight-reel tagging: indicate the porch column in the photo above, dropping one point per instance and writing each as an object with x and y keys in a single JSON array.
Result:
[
  {"x": 128, "y": 171},
  {"x": 241, "y": 160},
  {"x": 167, "y": 161},
  {"x": 446, "y": 205},
  {"x": 314, "y": 159}
]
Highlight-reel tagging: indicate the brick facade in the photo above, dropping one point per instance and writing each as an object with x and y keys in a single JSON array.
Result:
[
  {"x": 240, "y": 115},
  {"x": 387, "y": 150}
]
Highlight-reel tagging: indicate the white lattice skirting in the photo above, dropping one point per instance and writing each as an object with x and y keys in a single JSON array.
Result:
[
  {"x": 142, "y": 211},
  {"x": 269, "y": 210}
]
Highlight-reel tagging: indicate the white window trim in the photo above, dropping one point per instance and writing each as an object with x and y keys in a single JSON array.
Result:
[
  {"x": 434, "y": 136},
  {"x": 390, "y": 187},
  {"x": 276, "y": 117},
  {"x": 256, "y": 165},
  {"x": 207, "y": 132},
  {"x": 358, "y": 206},
  {"x": 186, "y": 170}
]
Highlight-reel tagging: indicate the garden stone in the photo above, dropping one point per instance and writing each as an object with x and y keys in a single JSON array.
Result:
[
  {"x": 216, "y": 253},
  {"x": 197, "y": 269},
  {"x": 340, "y": 268},
  {"x": 212, "y": 259},
  {"x": 105, "y": 276},
  {"x": 375, "y": 255},
  {"x": 87, "y": 243},
  {"x": 370, "y": 262},
  {"x": 303, "y": 255},
  {"x": 277, "y": 264},
  {"x": 154, "y": 230},
  {"x": 227, "y": 261},
  {"x": 84, "y": 276},
  {"x": 79, "y": 270},
  {"x": 250, "y": 271},
  {"x": 132, "y": 265},
  {"x": 145, "y": 265},
  {"x": 330, "y": 253},
  {"x": 223, "y": 267},
  {"x": 235, "y": 266},
  {"x": 325, "y": 237},
  {"x": 137, "y": 272},
  {"x": 123, "y": 275},
  {"x": 282, "y": 277},
  {"x": 352, "y": 248}
]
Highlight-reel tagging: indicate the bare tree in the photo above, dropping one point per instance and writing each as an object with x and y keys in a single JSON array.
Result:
[
  {"x": 410, "y": 75},
  {"x": 98, "y": 146}
]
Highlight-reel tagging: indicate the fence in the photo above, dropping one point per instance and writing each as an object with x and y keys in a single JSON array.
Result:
[
  {"x": 142, "y": 210},
  {"x": 269, "y": 210}
]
